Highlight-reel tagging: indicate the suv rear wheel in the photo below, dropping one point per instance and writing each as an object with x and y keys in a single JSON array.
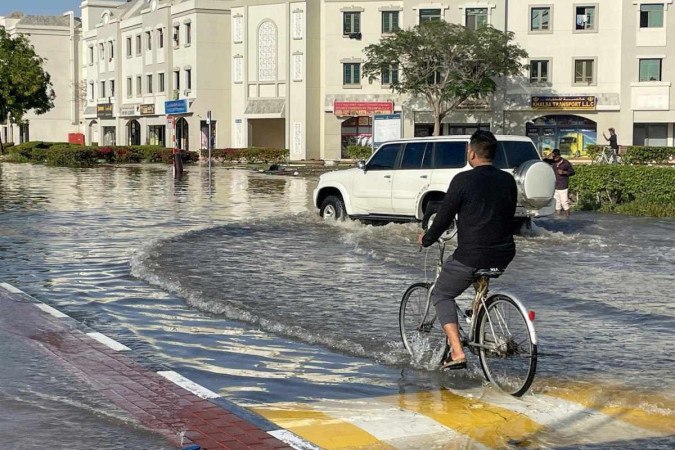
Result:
[{"x": 333, "y": 208}]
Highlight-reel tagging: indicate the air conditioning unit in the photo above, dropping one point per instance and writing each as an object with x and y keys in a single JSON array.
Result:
[{"x": 354, "y": 36}]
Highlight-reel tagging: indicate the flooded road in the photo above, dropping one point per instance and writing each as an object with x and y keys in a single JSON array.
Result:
[{"x": 237, "y": 284}]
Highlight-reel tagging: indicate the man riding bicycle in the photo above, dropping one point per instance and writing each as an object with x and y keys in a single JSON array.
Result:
[{"x": 484, "y": 201}]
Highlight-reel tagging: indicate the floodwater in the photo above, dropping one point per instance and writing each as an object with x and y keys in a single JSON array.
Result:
[{"x": 234, "y": 282}]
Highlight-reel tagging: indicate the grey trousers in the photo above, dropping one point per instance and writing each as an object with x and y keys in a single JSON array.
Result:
[{"x": 453, "y": 280}]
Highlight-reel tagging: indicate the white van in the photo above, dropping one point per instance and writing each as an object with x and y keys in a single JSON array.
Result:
[{"x": 405, "y": 180}]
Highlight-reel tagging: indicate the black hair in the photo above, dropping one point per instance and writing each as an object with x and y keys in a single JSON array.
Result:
[
  {"x": 484, "y": 144},
  {"x": 556, "y": 151}
]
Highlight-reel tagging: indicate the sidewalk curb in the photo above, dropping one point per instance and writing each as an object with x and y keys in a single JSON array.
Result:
[{"x": 179, "y": 380}]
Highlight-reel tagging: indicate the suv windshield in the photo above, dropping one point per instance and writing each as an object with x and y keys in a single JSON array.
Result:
[{"x": 511, "y": 154}]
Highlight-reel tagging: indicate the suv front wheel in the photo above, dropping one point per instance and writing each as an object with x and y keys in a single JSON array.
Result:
[{"x": 333, "y": 208}]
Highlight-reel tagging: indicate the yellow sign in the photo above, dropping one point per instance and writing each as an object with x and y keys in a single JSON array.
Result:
[{"x": 564, "y": 103}]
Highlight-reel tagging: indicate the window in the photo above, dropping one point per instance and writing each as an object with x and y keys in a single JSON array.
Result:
[
  {"x": 160, "y": 37},
  {"x": 389, "y": 21},
  {"x": 149, "y": 83},
  {"x": 655, "y": 134},
  {"x": 102, "y": 89},
  {"x": 112, "y": 88},
  {"x": 476, "y": 18},
  {"x": 585, "y": 18},
  {"x": 157, "y": 135},
  {"x": 139, "y": 86},
  {"x": 176, "y": 79},
  {"x": 352, "y": 74},
  {"x": 650, "y": 69},
  {"x": 188, "y": 33},
  {"x": 427, "y": 15},
  {"x": 91, "y": 90},
  {"x": 414, "y": 156},
  {"x": 101, "y": 51},
  {"x": 91, "y": 54},
  {"x": 390, "y": 75},
  {"x": 384, "y": 158},
  {"x": 130, "y": 87},
  {"x": 162, "y": 86},
  {"x": 138, "y": 44},
  {"x": 539, "y": 71},
  {"x": 448, "y": 155},
  {"x": 351, "y": 23},
  {"x": 511, "y": 154},
  {"x": 111, "y": 49},
  {"x": 129, "y": 50},
  {"x": 651, "y": 15},
  {"x": 435, "y": 78},
  {"x": 176, "y": 35},
  {"x": 148, "y": 40},
  {"x": 540, "y": 19},
  {"x": 188, "y": 79},
  {"x": 583, "y": 71}
]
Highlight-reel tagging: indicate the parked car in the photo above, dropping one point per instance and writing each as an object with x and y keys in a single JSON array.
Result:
[{"x": 406, "y": 180}]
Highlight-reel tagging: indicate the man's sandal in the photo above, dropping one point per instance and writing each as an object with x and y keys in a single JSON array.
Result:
[{"x": 453, "y": 364}]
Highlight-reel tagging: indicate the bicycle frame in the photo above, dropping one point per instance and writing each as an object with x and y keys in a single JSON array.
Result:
[{"x": 480, "y": 300}]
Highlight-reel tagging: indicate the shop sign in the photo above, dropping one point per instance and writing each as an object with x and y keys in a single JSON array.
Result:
[
  {"x": 480, "y": 103},
  {"x": 173, "y": 107},
  {"x": 362, "y": 108},
  {"x": 104, "y": 111},
  {"x": 564, "y": 103},
  {"x": 147, "y": 109},
  {"x": 128, "y": 110}
]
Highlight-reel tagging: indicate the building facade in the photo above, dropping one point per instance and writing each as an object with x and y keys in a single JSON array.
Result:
[
  {"x": 288, "y": 73},
  {"x": 157, "y": 72},
  {"x": 56, "y": 39}
]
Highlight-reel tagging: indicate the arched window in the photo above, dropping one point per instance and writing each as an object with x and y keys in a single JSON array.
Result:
[{"x": 267, "y": 51}]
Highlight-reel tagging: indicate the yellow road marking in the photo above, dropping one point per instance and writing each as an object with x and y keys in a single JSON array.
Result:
[
  {"x": 319, "y": 428},
  {"x": 646, "y": 410},
  {"x": 486, "y": 423}
]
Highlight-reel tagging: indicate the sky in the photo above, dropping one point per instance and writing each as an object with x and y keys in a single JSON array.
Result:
[{"x": 40, "y": 7}]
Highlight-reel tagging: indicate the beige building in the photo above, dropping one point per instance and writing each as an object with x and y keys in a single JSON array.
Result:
[
  {"x": 154, "y": 71},
  {"x": 56, "y": 39}
]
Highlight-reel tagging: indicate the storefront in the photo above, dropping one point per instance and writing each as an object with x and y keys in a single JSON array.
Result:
[
  {"x": 106, "y": 119},
  {"x": 570, "y": 134},
  {"x": 175, "y": 110},
  {"x": 357, "y": 121}
]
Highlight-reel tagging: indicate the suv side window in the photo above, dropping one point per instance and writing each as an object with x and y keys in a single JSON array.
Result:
[
  {"x": 413, "y": 155},
  {"x": 384, "y": 158},
  {"x": 516, "y": 153},
  {"x": 449, "y": 155}
]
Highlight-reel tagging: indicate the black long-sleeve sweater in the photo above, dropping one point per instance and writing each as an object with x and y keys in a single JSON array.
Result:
[{"x": 484, "y": 199}]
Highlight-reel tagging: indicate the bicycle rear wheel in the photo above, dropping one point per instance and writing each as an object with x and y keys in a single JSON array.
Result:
[
  {"x": 507, "y": 354},
  {"x": 421, "y": 333}
]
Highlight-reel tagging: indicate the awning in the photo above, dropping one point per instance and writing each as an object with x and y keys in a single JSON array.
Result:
[
  {"x": 90, "y": 111},
  {"x": 272, "y": 108}
]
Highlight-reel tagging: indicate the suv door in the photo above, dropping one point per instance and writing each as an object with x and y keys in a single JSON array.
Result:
[
  {"x": 411, "y": 177},
  {"x": 372, "y": 187}
]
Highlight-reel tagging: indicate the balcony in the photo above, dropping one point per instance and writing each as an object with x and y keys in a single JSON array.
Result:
[{"x": 650, "y": 96}]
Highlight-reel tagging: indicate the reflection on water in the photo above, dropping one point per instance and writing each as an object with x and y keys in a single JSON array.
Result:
[{"x": 113, "y": 246}]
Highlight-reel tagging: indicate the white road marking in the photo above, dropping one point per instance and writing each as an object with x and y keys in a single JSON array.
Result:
[
  {"x": 8, "y": 287},
  {"x": 293, "y": 440},
  {"x": 51, "y": 311},
  {"x": 108, "y": 342},
  {"x": 180, "y": 380}
]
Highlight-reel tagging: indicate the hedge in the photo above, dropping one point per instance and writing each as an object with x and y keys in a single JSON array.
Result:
[
  {"x": 249, "y": 155},
  {"x": 640, "y": 154},
  {"x": 64, "y": 154},
  {"x": 359, "y": 151},
  {"x": 642, "y": 190}
]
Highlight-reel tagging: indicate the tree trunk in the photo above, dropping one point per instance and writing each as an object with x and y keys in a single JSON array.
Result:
[{"x": 437, "y": 125}]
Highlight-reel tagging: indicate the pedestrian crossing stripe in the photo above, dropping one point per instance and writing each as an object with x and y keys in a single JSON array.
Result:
[
  {"x": 319, "y": 428},
  {"x": 650, "y": 411}
]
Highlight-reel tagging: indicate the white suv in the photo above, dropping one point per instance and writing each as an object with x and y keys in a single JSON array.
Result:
[{"x": 406, "y": 180}]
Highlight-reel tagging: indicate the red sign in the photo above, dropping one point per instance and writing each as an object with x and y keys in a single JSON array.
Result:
[{"x": 362, "y": 108}]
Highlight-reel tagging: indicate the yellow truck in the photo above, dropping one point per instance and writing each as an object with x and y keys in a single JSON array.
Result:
[{"x": 572, "y": 144}]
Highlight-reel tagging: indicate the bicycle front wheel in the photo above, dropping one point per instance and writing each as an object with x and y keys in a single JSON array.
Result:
[
  {"x": 507, "y": 354},
  {"x": 421, "y": 333}
]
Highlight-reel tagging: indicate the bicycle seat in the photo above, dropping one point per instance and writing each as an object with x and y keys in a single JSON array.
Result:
[{"x": 489, "y": 273}]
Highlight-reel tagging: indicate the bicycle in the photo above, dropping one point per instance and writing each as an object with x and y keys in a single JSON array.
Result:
[
  {"x": 606, "y": 156},
  {"x": 500, "y": 330}
]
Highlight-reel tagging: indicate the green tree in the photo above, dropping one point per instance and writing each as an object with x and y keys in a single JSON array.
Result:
[
  {"x": 24, "y": 84},
  {"x": 445, "y": 63}
]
